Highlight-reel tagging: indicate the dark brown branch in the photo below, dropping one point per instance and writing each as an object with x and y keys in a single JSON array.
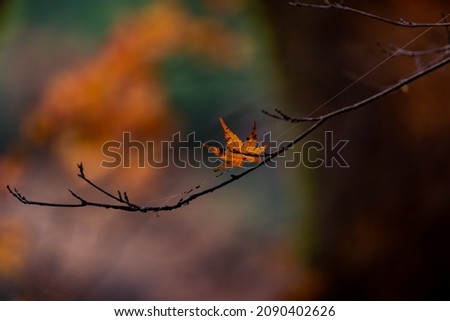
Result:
[
  {"x": 364, "y": 102},
  {"x": 82, "y": 202},
  {"x": 283, "y": 116},
  {"x": 318, "y": 121},
  {"x": 182, "y": 202},
  {"x": 122, "y": 199},
  {"x": 340, "y": 6},
  {"x": 14, "y": 192}
]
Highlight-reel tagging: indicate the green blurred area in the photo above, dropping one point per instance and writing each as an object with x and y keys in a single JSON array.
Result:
[{"x": 90, "y": 18}]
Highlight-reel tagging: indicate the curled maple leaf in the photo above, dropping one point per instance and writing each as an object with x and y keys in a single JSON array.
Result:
[{"x": 236, "y": 151}]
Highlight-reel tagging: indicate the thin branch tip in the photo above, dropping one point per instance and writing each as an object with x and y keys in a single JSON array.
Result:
[
  {"x": 340, "y": 6},
  {"x": 14, "y": 192},
  {"x": 82, "y": 200}
]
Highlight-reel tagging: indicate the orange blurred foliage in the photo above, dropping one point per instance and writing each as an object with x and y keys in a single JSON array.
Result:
[
  {"x": 121, "y": 87},
  {"x": 12, "y": 247}
]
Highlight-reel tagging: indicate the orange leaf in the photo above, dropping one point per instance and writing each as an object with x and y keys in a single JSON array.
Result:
[{"x": 236, "y": 151}]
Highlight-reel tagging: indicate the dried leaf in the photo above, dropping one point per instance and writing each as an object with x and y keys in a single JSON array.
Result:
[{"x": 236, "y": 151}]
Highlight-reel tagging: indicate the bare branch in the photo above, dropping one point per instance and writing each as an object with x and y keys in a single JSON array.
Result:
[
  {"x": 366, "y": 101},
  {"x": 397, "y": 51},
  {"x": 82, "y": 201},
  {"x": 283, "y": 116},
  {"x": 318, "y": 121},
  {"x": 14, "y": 192},
  {"x": 121, "y": 199},
  {"x": 340, "y": 6},
  {"x": 182, "y": 202}
]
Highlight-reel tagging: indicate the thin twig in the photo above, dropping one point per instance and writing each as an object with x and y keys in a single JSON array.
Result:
[
  {"x": 447, "y": 29},
  {"x": 122, "y": 198},
  {"x": 396, "y": 51},
  {"x": 340, "y": 6},
  {"x": 318, "y": 121},
  {"x": 364, "y": 102}
]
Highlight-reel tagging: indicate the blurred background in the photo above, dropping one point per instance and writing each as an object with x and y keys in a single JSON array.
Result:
[{"x": 76, "y": 74}]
